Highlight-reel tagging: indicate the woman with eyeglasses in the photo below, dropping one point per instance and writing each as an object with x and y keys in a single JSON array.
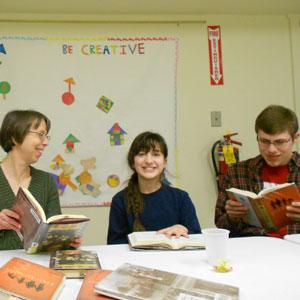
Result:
[{"x": 24, "y": 137}]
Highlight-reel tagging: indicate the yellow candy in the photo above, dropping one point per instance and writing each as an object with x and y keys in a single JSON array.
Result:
[{"x": 223, "y": 266}]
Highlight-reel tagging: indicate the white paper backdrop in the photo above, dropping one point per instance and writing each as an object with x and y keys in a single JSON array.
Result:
[{"x": 138, "y": 75}]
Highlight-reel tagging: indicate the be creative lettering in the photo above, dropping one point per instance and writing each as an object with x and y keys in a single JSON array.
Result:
[{"x": 105, "y": 49}]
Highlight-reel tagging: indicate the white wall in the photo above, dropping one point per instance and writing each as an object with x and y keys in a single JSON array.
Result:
[{"x": 259, "y": 69}]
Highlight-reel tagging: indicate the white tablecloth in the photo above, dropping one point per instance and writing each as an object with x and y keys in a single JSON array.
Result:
[{"x": 263, "y": 268}]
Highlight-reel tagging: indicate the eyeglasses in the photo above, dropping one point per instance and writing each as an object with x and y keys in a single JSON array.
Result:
[
  {"x": 280, "y": 143},
  {"x": 42, "y": 135}
]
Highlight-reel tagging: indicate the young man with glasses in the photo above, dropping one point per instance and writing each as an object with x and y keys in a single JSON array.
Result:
[{"x": 277, "y": 131}]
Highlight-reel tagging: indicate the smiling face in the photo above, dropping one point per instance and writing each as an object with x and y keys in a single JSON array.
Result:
[
  {"x": 150, "y": 165},
  {"x": 276, "y": 149},
  {"x": 33, "y": 144}
]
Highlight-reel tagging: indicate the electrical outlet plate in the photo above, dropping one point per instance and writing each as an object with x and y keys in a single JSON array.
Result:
[{"x": 216, "y": 119}]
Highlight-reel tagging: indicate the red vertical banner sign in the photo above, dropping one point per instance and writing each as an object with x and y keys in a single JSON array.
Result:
[{"x": 215, "y": 55}]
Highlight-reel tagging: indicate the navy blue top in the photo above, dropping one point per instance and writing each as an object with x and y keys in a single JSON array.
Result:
[{"x": 165, "y": 207}]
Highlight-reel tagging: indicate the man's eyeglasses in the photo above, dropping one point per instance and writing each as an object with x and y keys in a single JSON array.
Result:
[
  {"x": 42, "y": 135},
  {"x": 280, "y": 143}
]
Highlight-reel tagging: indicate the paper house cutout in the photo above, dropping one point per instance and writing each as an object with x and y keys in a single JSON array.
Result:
[
  {"x": 116, "y": 135},
  {"x": 70, "y": 143}
]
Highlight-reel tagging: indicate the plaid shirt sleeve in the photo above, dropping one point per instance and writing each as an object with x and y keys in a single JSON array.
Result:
[
  {"x": 294, "y": 176},
  {"x": 238, "y": 176},
  {"x": 245, "y": 175}
]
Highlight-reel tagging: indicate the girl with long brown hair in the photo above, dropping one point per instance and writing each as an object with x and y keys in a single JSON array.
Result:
[{"x": 148, "y": 203}]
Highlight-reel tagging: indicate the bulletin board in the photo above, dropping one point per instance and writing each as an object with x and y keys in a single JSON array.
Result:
[{"x": 99, "y": 93}]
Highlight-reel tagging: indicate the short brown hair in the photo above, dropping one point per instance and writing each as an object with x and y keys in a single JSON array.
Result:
[
  {"x": 16, "y": 125},
  {"x": 277, "y": 119}
]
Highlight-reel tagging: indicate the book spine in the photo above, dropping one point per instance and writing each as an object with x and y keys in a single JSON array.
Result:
[
  {"x": 33, "y": 245},
  {"x": 263, "y": 215}
]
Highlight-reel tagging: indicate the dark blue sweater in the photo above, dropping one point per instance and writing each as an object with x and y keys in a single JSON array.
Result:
[{"x": 166, "y": 207}]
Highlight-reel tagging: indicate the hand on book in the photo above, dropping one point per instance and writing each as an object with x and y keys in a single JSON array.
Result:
[
  {"x": 9, "y": 220},
  {"x": 293, "y": 211},
  {"x": 177, "y": 230},
  {"x": 235, "y": 209}
]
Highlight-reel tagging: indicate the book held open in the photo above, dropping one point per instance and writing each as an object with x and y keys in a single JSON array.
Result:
[
  {"x": 267, "y": 209},
  {"x": 154, "y": 240},
  {"x": 41, "y": 234}
]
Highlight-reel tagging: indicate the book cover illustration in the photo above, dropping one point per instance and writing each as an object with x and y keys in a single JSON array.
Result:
[
  {"x": 86, "y": 291},
  {"x": 54, "y": 237},
  {"x": 41, "y": 234},
  {"x": 25, "y": 279},
  {"x": 74, "y": 263},
  {"x": 137, "y": 282}
]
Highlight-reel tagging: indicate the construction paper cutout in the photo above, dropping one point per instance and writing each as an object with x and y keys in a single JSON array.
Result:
[
  {"x": 68, "y": 98},
  {"x": 87, "y": 185},
  {"x": 105, "y": 104},
  {"x": 2, "y": 49},
  {"x": 56, "y": 162},
  {"x": 60, "y": 187},
  {"x": 116, "y": 135},
  {"x": 70, "y": 143},
  {"x": 4, "y": 88},
  {"x": 113, "y": 180},
  {"x": 65, "y": 176}
]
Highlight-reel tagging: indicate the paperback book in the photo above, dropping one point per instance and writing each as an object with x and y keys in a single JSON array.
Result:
[
  {"x": 41, "y": 234},
  {"x": 27, "y": 280},
  {"x": 267, "y": 209},
  {"x": 87, "y": 291}
]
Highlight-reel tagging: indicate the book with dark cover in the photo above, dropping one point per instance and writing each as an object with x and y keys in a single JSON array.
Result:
[
  {"x": 41, "y": 234},
  {"x": 74, "y": 263},
  {"x": 86, "y": 291},
  {"x": 267, "y": 209},
  {"x": 28, "y": 280},
  {"x": 151, "y": 240},
  {"x": 141, "y": 283}
]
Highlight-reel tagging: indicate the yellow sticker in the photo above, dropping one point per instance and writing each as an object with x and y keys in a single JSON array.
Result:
[{"x": 229, "y": 154}]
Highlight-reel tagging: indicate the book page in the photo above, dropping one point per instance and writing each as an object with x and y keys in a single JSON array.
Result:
[
  {"x": 251, "y": 216},
  {"x": 194, "y": 240},
  {"x": 35, "y": 204},
  {"x": 274, "y": 188},
  {"x": 242, "y": 192},
  {"x": 142, "y": 238},
  {"x": 67, "y": 217},
  {"x": 148, "y": 238}
]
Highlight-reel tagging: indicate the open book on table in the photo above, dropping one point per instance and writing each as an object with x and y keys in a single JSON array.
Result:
[
  {"x": 154, "y": 240},
  {"x": 41, "y": 234},
  {"x": 267, "y": 209},
  {"x": 141, "y": 283}
]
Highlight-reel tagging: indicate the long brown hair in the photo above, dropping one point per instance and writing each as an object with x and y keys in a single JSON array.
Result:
[{"x": 144, "y": 142}]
